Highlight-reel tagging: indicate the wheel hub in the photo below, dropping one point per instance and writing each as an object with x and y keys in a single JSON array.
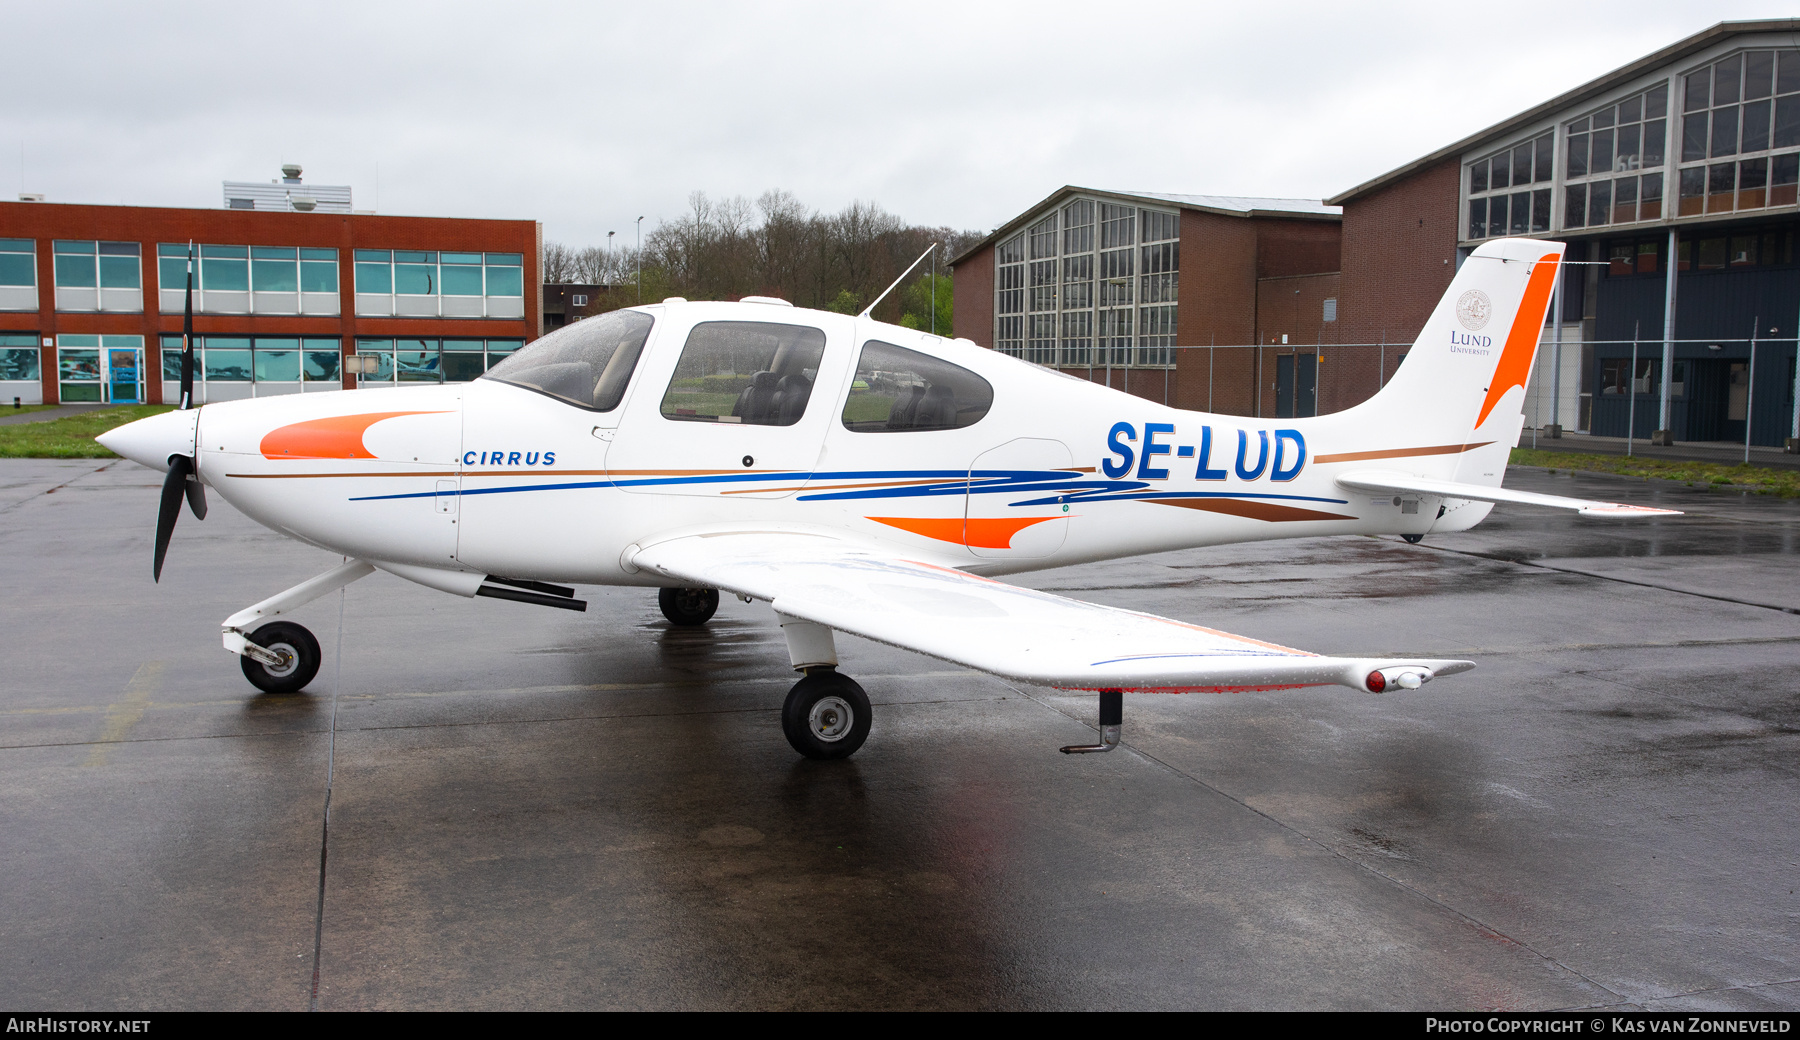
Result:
[
  {"x": 831, "y": 718},
  {"x": 289, "y": 660}
]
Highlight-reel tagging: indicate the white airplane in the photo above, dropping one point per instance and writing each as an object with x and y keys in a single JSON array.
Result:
[{"x": 863, "y": 478}]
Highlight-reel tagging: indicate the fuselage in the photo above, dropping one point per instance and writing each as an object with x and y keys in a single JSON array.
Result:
[{"x": 495, "y": 478}]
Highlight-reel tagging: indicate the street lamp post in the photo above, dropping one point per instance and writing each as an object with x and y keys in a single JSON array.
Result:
[
  {"x": 640, "y": 260},
  {"x": 609, "y": 258}
]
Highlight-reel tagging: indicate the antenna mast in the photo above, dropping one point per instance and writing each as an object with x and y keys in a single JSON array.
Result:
[{"x": 897, "y": 281}]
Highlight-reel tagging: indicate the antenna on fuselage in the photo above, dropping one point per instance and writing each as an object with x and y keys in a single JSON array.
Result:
[{"x": 897, "y": 281}]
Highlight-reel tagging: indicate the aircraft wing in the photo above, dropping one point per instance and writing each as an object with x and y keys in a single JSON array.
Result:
[
  {"x": 1389, "y": 482},
  {"x": 998, "y": 628}
]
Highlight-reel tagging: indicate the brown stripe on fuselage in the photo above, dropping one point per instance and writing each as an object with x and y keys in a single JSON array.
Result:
[
  {"x": 1398, "y": 453},
  {"x": 1273, "y": 512}
]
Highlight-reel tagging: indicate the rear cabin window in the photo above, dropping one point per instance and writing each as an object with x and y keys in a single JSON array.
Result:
[
  {"x": 751, "y": 372},
  {"x": 587, "y": 364},
  {"x": 897, "y": 389}
]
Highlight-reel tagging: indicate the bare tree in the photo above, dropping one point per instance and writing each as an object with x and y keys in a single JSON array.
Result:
[{"x": 724, "y": 249}]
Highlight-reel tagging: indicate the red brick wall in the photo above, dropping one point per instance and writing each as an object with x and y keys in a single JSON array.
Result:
[
  {"x": 973, "y": 283},
  {"x": 1289, "y": 247},
  {"x": 1217, "y": 305},
  {"x": 1399, "y": 255},
  {"x": 1293, "y": 306},
  {"x": 149, "y": 226}
]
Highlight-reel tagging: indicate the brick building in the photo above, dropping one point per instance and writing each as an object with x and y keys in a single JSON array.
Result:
[
  {"x": 1106, "y": 285},
  {"x": 1673, "y": 180},
  {"x": 91, "y": 299}
]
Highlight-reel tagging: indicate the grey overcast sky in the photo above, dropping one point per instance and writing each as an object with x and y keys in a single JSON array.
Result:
[{"x": 586, "y": 115}]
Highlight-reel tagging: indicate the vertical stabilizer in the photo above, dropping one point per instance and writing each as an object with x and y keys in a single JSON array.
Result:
[{"x": 1461, "y": 391}]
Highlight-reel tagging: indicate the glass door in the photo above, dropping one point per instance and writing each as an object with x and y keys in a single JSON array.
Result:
[{"x": 124, "y": 375}]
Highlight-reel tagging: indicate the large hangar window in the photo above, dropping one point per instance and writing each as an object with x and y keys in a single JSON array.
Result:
[
  {"x": 1615, "y": 159},
  {"x": 1090, "y": 283},
  {"x": 1509, "y": 191},
  {"x": 1740, "y": 128}
]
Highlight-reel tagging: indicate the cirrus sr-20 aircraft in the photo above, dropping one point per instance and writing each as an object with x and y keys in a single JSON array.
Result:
[{"x": 864, "y": 478}]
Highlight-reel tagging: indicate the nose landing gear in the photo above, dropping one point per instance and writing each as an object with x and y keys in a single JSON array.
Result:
[{"x": 297, "y": 653}]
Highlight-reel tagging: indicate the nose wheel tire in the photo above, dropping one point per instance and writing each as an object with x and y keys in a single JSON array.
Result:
[
  {"x": 299, "y": 653},
  {"x": 688, "y": 606},
  {"x": 826, "y": 715}
]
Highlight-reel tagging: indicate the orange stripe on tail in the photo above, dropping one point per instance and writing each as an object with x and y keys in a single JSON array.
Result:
[{"x": 1521, "y": 343}]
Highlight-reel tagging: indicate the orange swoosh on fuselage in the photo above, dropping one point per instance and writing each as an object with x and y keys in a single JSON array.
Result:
[
  {"x": 334, "y": 437},
  {"x": 1521, "y": 342},
  {"x": 975, "y": 532}
]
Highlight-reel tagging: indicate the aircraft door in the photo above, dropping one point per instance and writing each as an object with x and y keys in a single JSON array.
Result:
[
  {"x": 740, "y": 410},
  {"x": 992, "y": 525}
]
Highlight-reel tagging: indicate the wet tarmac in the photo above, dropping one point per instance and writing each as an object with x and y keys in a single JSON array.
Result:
[{"x": 539, "y": 809}]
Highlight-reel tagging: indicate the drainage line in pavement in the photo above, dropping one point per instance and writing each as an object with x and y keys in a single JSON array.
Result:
[
  {"x": 1608, "y": 577},
  {"x": 337, "y": 682}
]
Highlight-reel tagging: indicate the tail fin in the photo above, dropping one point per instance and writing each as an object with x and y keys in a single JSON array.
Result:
[{"x": 1462, "y": 387}]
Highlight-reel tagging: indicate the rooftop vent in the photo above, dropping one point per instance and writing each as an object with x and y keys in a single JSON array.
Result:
[
  {"x": 304, "y": 204},
  {"x": 35, "y": 196},
  {"x": 290, "y": 171}
]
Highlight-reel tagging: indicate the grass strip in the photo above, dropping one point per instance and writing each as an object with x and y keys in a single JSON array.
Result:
[
  {"x": 1784, "y": 483},
  {"x": 6, "y": 409},
  {"x": 72, "y": 436}
]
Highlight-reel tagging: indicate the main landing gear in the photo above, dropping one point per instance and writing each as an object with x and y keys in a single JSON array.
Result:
[
  {"x": 826, "y": 715},
  {"x": 688, "y": 606}
]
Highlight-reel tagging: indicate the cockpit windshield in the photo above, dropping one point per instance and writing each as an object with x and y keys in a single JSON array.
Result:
[{"x": 587, "y": 364}]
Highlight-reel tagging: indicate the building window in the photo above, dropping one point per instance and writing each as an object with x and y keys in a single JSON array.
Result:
[
  {"x": 414, "y": 360},
  {"x": 18, "y": 357},
  {"x": 1069, "y": 289},
  {"x": 1009, "y": 296},
  {"x": 1738, "y": 115},
  {"x": 98, "y": 276},
  {"x": 427, "y": 283},
  {"x": 1753, "y": 247},
  {"x": 1509, "y": 191},
  {"x": 100, "y": 368},
  {"x": 1603, "y": 157},
  {"x": 578, "y": 299},
  {"x": 1331, "y": 309},
  {"x": 249, "y": 279},
  {"x": 18, "y": 275},
  {"x": 227, "y": 367}
]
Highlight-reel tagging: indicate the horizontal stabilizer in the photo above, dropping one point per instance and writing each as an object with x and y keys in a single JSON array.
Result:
[
  {"x": 1003, "y": 629},
  {"x": 1390, "y": 482}
]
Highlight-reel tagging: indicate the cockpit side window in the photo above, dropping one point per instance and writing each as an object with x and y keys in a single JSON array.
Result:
[
  {"x": 753, "y": 372},
  {"x": 898, "y": 389},
  {"x": 588, "y": 364}
]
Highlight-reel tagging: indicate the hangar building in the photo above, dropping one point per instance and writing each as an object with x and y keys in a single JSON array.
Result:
[
  {"x": 1673, "y": 179},
  {"x": 92, "y": 298}
]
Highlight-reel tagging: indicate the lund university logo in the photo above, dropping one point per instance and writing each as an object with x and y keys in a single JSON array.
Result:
[{"x": 1473, "y": 309}]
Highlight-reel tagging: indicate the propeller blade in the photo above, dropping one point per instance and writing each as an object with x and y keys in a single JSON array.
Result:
[
  {"x": 196, "y": 497},
  {"x": 179, "y": 468},
  {"x": 187, "y": 347}
]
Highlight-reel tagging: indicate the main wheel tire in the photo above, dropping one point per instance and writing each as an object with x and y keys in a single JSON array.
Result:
[
  {"x": 299, "y": 650},
  {"x": 688, "y": 606},
  {"x": 826, "y": 715}
]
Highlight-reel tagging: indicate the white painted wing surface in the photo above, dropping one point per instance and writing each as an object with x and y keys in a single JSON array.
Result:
[
  {"x": 994, "y": 627},
  {"x": 1389, "y": 481}
]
